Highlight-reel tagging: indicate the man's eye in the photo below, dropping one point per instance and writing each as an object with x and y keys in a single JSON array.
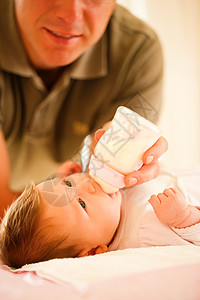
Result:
[
  {"x": 68, "y": 183},
  {"x": 82, "y": 203}
]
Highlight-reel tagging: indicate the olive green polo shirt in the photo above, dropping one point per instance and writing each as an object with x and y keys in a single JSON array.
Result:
[{"x": 44, "y": 128}]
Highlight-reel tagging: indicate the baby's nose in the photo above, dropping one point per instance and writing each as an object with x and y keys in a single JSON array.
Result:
[{"x": 91, "y": 188}]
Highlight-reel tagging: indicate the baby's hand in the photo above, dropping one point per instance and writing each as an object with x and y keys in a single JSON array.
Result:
[
  {"x": 67, "y": 168},
  {"x": 171, "y": 207}
]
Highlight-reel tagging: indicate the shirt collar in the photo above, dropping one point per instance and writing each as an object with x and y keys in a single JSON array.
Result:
[
  {"x": 93, "y": 63},
  {"x": 13, "y": 58}
]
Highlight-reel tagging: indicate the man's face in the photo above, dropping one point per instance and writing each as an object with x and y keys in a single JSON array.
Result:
[
  {"x": 81, "y": 209},
  {"x": 57, "y": 32}
]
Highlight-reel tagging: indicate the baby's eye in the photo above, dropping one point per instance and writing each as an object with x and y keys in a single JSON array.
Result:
[
  {"x": 68, "y": 183},
  {"x": 82, "y": 203}
]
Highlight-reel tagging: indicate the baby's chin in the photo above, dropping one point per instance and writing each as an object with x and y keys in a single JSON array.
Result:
[{"x": 116, "y": 197}]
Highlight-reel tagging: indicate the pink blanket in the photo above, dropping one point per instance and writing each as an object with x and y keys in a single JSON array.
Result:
[{"x": 167, "y": 281}]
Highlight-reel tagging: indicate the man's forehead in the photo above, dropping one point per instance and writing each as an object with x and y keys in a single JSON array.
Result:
[{"x": 56, "y": 193}]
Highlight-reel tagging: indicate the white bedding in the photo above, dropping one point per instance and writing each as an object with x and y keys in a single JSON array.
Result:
[{"x": 83, "y": 271}]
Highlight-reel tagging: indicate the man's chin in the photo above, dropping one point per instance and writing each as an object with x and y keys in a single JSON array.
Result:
[{"x": 55, "y": 61}]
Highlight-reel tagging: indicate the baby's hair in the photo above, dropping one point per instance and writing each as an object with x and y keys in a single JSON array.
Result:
[{"x": 25, "y": 238}]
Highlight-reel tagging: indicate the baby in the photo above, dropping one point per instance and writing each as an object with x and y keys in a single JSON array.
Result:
[{"x": 73, "y": 217}]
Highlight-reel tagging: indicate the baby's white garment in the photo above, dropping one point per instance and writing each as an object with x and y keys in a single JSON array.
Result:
[{"x": 139, "y": 226}]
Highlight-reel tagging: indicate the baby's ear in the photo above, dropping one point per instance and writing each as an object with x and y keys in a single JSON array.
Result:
[
  {"x": 84, "y": 252},
  {"x": 92, "y": 251},
  {"x": 101, "y": 249}
]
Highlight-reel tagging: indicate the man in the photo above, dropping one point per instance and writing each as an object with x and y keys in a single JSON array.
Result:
[{"x": 65, "y": 66}]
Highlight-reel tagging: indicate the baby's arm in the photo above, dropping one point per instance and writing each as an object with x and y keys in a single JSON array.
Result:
[{"x": 171, "y": 207}]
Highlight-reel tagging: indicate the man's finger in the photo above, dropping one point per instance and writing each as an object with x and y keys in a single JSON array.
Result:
[
  {"x": 98, "y": 134},
  {"x": 156, "y": 151},
  {"x": 146, "y": 173}
]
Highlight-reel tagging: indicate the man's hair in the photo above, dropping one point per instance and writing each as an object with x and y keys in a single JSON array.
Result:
[{"x": 25, "y": 238}]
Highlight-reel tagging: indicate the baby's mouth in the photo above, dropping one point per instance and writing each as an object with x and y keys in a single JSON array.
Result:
[{"x": 111, "y": 194}]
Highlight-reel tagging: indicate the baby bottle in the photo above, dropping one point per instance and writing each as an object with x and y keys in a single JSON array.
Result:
[{"x": 119, "y": 151}]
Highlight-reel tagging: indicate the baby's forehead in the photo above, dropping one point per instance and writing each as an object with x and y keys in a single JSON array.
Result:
[{"x": 58, "y": 192}]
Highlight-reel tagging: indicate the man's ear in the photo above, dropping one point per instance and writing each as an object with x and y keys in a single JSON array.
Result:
[{"x": 92, "y": 251}]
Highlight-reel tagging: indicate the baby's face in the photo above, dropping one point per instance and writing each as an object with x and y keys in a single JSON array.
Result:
[{"x": 82, "y": 209}]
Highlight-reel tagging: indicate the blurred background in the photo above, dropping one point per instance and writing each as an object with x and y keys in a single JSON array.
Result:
[{"x": 177, "y": 23}]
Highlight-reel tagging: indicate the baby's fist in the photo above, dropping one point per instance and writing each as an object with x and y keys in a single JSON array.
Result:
[{"x": 170, "y": 207}]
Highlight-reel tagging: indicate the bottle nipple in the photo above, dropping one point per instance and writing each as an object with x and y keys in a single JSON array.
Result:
[{"x": 109, "y": 179}]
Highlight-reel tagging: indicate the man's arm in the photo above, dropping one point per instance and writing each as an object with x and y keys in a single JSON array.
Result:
[{"x": 6, "y": 195}]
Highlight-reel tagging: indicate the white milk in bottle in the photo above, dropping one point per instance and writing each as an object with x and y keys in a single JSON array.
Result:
[{"x": 120, "y": 149}]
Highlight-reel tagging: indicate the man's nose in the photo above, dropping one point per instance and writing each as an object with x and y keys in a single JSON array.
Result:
[{"x": 69, "y": 10}]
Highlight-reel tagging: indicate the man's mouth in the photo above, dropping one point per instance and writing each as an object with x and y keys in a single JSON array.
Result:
[{"x": 62, "y": 35}]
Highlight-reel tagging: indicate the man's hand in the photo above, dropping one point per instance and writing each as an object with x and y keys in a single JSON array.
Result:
[
  {"x": 7, "y": 196},
  {"x": 98, "y": 134},
  {"x": 150, "y": 168},
  {"x": 68, "y": 167}
]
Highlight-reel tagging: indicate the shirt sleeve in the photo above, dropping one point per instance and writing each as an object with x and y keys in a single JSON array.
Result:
[
  {"x": 190, "y": 234},
  {"x": 1, "y": 102},
  {"x": 152, "y": 232}
]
